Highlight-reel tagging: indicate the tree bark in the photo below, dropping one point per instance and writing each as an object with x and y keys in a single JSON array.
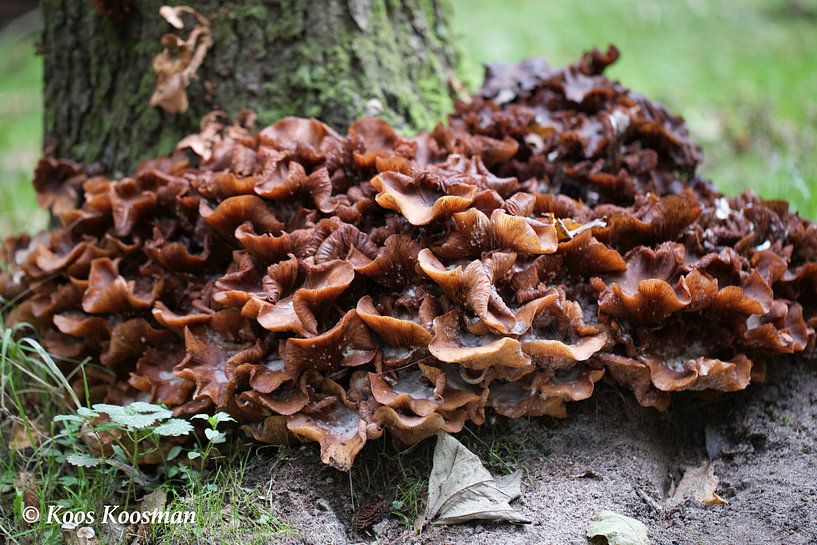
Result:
[{"x": 326, "y": 59}]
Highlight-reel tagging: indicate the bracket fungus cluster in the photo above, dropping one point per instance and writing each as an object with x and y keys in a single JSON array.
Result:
[{"x": 330, "y": 287}]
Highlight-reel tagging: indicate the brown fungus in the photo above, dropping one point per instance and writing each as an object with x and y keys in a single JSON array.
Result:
[{"x": 328, "y": 287}]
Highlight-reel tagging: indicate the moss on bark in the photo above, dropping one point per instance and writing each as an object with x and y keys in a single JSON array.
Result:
[{"x": 325, "y": 59}]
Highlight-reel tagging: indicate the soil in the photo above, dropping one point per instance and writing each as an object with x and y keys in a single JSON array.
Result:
[{"x": 609, "y": 454}]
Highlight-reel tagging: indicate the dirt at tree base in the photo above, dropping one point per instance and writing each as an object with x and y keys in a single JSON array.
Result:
[{"x": 611, "y": 454}]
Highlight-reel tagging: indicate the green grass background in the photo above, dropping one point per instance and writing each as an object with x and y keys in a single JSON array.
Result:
[
  {"x": 743, "y": 73},
  {"x": 21, "y": 77}
]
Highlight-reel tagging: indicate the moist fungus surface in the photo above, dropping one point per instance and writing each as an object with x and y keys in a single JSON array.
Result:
[{"x": 326, "y": 287}]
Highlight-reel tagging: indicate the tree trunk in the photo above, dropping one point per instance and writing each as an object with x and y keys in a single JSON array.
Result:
[{"x": 326, "y": 59}]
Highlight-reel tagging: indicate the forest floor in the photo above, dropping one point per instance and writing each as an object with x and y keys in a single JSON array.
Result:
[{"x": 610, "y": 454}]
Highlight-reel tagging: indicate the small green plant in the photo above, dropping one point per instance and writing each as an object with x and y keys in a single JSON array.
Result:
[
  {"x": 410, "y": 505},
  {"x": 124, "y": 437},
  {"x": 81, "y": 458},
  {"x": 33, "y": 466},
  {"x": 786, "y": 420},
  {"x": 213, "y": 435}
]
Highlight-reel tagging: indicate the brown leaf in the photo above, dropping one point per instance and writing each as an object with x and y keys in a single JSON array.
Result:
[
  {"x": 155, "y": 501},
  {"x": 179, "y": 60},
  {"x": 27, "y": 484},
  {"x": 461, "y": 489},
  {"x": 698, "y": 483},
  {"x": 21, "y": 438},
  {"x": 369, "y": 513}
]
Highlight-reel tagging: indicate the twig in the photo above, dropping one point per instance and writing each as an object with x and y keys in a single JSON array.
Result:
[{"x": 652, "y": 503}]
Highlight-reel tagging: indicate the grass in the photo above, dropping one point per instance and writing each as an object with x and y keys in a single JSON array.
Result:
[
  {"x": 21, "y": 109},
  {"x": 742, "y": 72},
  {"x": 226, "y": 510},
  {"x": 31, "y": 464},
  {"x": 400, "y": 476},
  {"x": 35, "y": 469}
]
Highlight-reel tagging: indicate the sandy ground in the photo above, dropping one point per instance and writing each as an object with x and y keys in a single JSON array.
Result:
[{"x": 610, "y": 454}]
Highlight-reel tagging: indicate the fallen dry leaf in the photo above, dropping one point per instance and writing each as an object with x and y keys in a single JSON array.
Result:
[
  {"x": 21, "y": 438},
  {"x": 179, "y": 60},
  {"x": 617, "y": 529},
  {"x": 461, "y": 489},
  {"x": 27, "y": 484},
  {"x": 698, "y": 483},
  {"x": 155, "y": 501},
  {"x": 69, "y": 534},
  {"x": 113, "y": 532}
]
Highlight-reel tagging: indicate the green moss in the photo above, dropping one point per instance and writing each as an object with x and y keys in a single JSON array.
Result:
[
  {"x": 285, "y": 22},
  {"x": 272, "y": 56},
  {"x": 252, "y": 11}
]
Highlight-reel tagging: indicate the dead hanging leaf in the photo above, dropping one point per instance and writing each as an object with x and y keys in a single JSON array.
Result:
[
  {"x": 461, "y": 489},
  {"x": 698, "y": 483},
  {"x": 210, "y": 133},
  {"x": 180, "y": 59},
  {"x": 172, "y": 16},
  {"x": 617, "y": 529}
]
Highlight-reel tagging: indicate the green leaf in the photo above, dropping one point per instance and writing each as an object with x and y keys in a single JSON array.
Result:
[
  {"x": 119, "y": 451},
  {"x": 215, "y": 436},
  {"x": 220, "y": 417},
  {"x": 87, "y": 413},
  {"x": 107, "y": 426},
  {"x": 617, "y": 529},
  {"x": 137, "y": 415},
  {"x": 109, "y": 409},
  {"x": 67, "y": 418},
  {"x": 48, "y": 452},
  {"x": 82, "y": 460},
  {"x": 142, "y": 407},
  {"x": 193, "y": 454},
  {"x": 18, "y": 502},
  {"x": 134, "y": 421},
  {"x": 173, "y": 454},
  {"x": 174, "y": 427}
]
